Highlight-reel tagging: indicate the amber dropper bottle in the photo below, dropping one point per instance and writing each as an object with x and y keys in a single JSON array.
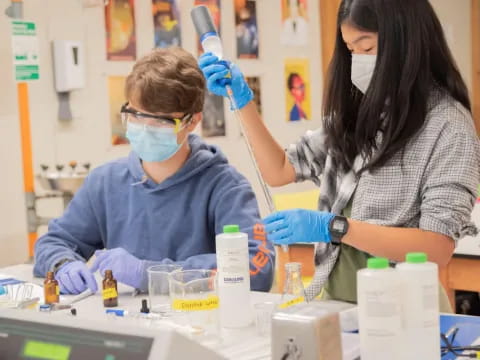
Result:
[
  {"x": 51, "y": 289},
  {"x": 109, "y": 293}
]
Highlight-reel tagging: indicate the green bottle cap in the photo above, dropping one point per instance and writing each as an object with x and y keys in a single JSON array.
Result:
[
  {"x": 416, "y": 258},
  {"x": 377, "y": 263},
  {"x": 228, "y": 229}
]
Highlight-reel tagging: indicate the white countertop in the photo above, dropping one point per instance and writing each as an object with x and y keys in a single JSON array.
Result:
[{"x": 238, "y": 344}]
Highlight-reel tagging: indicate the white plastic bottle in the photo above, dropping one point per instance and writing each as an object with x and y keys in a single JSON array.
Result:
[
  {"x": 421, "y": 313},
  {"x": 233, "y": 273},
  {"x": 379, "y": 311}
]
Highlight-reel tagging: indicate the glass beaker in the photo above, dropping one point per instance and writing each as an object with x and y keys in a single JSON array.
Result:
[
  {"x": 194, "y": 294},
  {"x": 293, "y": 290},
  {"x": 159, "y": 287}
]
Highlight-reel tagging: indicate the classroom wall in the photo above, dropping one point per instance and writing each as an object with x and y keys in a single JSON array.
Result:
[
  {"x": 456, "y": 20},
  {"x": 87, "y": 136}
]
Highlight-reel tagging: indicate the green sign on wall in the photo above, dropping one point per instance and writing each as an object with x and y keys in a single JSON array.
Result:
[{"x": 25, "y": 50}]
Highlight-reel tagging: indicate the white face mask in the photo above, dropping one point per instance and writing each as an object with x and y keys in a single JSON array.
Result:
[{"x": 363, "y": 67}]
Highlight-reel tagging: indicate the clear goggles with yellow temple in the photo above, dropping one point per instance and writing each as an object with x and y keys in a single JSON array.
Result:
[{"x": 130, "y": 115}]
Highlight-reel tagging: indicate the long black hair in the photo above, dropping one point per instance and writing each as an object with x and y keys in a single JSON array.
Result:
[{"x": 413, "y": 58}]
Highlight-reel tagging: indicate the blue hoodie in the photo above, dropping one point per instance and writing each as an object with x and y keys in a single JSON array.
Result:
[{"x": 172, "y": 222}]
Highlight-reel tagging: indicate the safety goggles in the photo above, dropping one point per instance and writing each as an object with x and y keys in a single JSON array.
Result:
[{"x": 130, "y": 115}]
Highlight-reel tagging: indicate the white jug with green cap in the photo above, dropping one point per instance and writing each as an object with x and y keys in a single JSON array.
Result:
[
  {"x": 421, "y": 316},
  {"x": 380, "y": 311},
  {"x": 233, "y": 274}
]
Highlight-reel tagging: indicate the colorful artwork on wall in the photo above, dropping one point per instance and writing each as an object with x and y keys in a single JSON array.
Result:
[
  {"x": 120, "y": 29},
  {"x": 246, "y": 29},
  {"x": 297, "y": 85},
  {"x": 213, "y": 123},
  {"x": 294, "y": 22},
  {"x": 254, "y": 84},
  {"x": 166, "y": 23},
  {"x": 116, "y": 86}
]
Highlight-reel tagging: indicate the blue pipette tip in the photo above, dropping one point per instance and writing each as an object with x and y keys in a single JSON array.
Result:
[
  {"x": 117, "y": 312},
  {"x": 45, "y": 307}
]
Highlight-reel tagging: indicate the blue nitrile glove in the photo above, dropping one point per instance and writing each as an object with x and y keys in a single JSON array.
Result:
[
  {"x": 298, "y": 226},
  {"x": 215, "y": 71},
  {"x": 125, "y": 267},
  {"x": 75, "y": 277}
]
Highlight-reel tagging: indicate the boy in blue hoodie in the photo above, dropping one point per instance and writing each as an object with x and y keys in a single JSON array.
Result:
[{"x": 163, "y": 204}]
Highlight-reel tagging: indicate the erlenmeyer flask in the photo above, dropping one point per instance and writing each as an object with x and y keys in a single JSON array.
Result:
[{"x": 293, "y": 290}]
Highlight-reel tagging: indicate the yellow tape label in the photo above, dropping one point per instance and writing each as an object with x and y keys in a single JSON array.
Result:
[
  {"x": 109, "y": 293},
  {"x": 57, "y": 290},
  {"x": 292, "y": 302},
  {"x": 208, "y": 303}
]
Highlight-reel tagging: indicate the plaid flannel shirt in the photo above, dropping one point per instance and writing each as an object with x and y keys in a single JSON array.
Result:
[{"x": 433, "y": 189}]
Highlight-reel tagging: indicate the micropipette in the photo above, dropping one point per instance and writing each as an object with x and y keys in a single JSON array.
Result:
[{"x": 210, "y": 41}]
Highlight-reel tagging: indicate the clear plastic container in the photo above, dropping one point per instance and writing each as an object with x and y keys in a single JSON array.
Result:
[
  {"x": 233, "y": 268},
  {"x": 194, "y": 296},
  {"x": 263, "y": 317},
  {"x": 421, "y": 313},
  {"x": 158, "y": 287},
  {"x": 379, "y": 311}
]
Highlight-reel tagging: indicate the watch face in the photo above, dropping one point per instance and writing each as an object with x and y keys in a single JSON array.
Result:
[{"x": 339, "y": 226}]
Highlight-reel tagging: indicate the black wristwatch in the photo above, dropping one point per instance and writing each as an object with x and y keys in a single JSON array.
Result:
[{"x": 338, "y": 228}]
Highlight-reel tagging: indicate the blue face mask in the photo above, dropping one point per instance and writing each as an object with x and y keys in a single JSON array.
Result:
[{"x": 151, "y": 143}]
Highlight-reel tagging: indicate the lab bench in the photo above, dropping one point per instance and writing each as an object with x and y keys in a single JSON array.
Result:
[{"x": 238, "y": 344}]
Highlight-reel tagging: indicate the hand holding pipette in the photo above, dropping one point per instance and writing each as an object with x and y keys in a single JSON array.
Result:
[{"x": 211, "y": 42}]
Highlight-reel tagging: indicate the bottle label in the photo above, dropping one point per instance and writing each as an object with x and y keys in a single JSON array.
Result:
[
  {"x": 109, "y": 293},
  {"x": 57, "y": 290},
  {"x": 430, "y": 297},
  {"x": 430, "y": 305},
  {"x": 232, "y": 279},
  {"x": 208, "y": 303},
  {"x": 381, "y": 307},
  {"x": 232, "y": 261},
  {"x": 381, "y": 304},
  {"x": 291, "y": 302}
]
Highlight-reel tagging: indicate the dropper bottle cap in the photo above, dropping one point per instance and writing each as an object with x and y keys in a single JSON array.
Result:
[{"x": 144, "y": 309}]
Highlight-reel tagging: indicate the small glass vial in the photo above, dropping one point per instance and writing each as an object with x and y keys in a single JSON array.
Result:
[
  {"x": 109, "y": 293},
  {"x": 293, "y": 290},
  {"x": 51, "y": 289}
]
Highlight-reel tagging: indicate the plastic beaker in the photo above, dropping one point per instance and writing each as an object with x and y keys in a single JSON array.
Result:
[
  {"x": 194, "y": 294},
  {"x": 263, "y": 317},
  {"x": 159, "y": 287}
]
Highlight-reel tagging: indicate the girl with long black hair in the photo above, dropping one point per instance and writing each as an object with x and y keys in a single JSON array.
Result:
[{"x": 397, "y": 156}]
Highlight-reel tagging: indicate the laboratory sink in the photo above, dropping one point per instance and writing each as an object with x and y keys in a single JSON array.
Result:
[{"x": 63, "y": 182}]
